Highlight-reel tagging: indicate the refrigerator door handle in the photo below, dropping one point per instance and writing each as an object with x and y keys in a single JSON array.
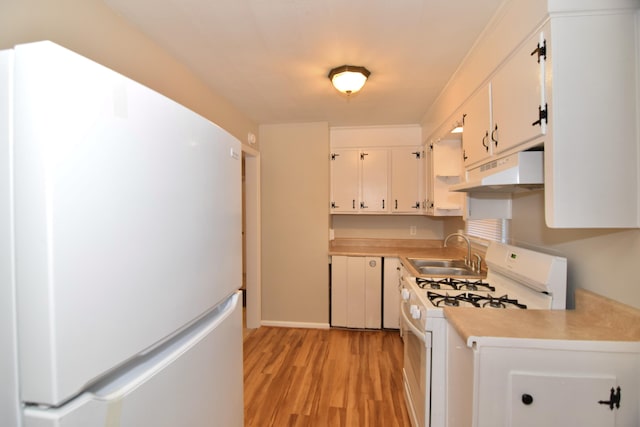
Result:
[
  {"x": 171, "y": 376},
  {"x": 153, "y": 360}
]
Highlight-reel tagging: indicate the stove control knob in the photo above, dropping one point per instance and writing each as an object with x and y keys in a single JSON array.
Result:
[
  {"x": 415, "y": 311},
  {"x": 406, "y": 294}
]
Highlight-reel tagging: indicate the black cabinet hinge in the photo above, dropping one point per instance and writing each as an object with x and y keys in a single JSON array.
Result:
[
  {"x": 334, "y": 155},
  {"x": 542, "y": 115},
  {"x": 417, "y": 154},
  {"x": 541, "y": 51}
]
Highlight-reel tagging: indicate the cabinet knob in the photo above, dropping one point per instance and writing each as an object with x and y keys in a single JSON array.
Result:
[{"x": 527, "y": 399}]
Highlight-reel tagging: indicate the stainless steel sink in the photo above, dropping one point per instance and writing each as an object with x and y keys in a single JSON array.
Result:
[
  {"x": 443, "y": 267},
  {"x": 447, "y": 271},
  {"x": 452, "y": 263}
]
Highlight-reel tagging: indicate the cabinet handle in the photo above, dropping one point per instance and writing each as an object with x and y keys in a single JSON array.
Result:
[
  {"x": 382, "y": 203},
  {"x": 396, "y": 205},
  {"x": 493, "y": 135},
  {"x": 485, "y": 139},
  {"x": 464, "y": 155},
  {"x": 353, "y": 203}
]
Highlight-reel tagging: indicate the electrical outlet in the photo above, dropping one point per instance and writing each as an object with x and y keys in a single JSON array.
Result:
[{"x": 413, "y": 230}]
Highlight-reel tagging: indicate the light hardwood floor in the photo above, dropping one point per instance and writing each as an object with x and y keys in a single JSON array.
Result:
[{"x": 323, "y": 377}]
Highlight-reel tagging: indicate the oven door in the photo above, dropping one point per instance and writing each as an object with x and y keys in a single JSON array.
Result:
[{"x": 417, "y": 366}]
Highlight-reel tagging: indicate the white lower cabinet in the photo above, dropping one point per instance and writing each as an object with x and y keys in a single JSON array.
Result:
[
  {"x": 534, "y": 382},
  {"x": 356, "y": 292},
  {"x": 391, "y": 293}
]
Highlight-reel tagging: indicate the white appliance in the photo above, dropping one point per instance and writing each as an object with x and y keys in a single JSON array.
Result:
[
  {"x": 120, "y": 252},
  {"x": 517, "y": 279}
]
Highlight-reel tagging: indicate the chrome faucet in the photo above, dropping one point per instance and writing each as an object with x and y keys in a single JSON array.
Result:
[
  {"x": 478, "y": 263},
  {"x": 467, "y": 259}
]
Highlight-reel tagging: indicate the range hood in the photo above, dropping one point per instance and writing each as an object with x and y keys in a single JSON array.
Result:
[{"x": 510, "y": 174}]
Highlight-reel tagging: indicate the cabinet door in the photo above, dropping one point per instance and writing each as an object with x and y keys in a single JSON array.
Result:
[
  {"x": 406, "y": 167},
  {"x": 428, "y": 178},
  {"x": 339, "y": 291},
  {"x": 345, "y": 181},
  {"x": 555, "y": 383},
  {"x": 541, "y": 400},
  {"x": 375, "y": 173},
  {"x": 372, "y": 293},
  {"x": 391, "y": 293},
  {"x": 356, "y": 292},
  {"x": 517, "y": 97},
  {"x": 476, "y": 138}
]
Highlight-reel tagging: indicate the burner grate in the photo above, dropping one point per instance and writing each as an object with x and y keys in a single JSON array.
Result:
[
  {"x": 491, "y": 301},
  {"x": 473, "y": 300},
  {"x": 455, "y": 284}
]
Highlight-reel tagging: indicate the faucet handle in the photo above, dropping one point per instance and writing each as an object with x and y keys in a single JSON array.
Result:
[{"x": 478, "y": 262}]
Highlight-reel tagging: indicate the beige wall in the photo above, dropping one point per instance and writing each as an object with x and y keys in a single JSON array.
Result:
[
  {"x": 604, "y": 261},
  {"x": 295, "y": 224},
  {"x": 387, "y": 226},
  {"x": 91, "y": 29}
]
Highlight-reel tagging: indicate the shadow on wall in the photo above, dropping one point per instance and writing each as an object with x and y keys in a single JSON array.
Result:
[{"x": 528, "y": 224}]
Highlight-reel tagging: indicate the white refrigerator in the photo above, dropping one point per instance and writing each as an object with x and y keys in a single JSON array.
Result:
[{"x": 120, "y": 252}]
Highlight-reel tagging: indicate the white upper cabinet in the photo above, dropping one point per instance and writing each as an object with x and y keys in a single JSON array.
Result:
[
  {"x": 476, "y": 139},
  {"x": 443, "y": 167},
  {"x": 518, "y": 104},
  {"x": 376, "y": 170},
  {"x": 511, "y": 109},
  {"x": 592, "y": 149},
  {"x": 359, "y": 181},
  {"x": 345, "y": 181},
  {"x": 406, "y": 175},
  {"x": 570, "y": 87},
  {"x": 374, "y": 165}
]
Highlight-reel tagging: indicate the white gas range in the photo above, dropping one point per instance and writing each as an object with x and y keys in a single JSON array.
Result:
[{"x": 516, "y": 279}]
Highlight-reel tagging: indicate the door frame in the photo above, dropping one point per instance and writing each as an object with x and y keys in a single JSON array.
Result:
[{"x": 251, "y": 206}]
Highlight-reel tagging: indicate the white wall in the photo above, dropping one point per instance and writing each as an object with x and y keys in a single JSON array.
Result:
[{"x": 295, "y": 224}]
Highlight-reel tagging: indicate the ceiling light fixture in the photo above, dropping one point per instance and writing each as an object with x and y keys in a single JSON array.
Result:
[{"x": 349, "y": 78}]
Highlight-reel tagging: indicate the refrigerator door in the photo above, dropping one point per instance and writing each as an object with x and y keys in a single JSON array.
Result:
[
  {"x": 127, "y": 219},
  {"x": 195, "y": 380}
]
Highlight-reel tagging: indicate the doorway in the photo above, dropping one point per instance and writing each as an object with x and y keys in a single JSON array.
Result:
[{"x": 251, "y": 236}]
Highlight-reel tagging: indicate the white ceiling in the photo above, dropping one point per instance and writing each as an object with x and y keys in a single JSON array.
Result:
[{"x": 270, "y": 58}]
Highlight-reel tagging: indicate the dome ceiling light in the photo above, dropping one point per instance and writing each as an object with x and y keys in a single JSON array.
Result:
[{"x": 349, "y": 78}]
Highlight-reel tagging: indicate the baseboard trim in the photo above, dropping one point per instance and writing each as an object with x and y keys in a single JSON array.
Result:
[{"x": 304, "y": 325}]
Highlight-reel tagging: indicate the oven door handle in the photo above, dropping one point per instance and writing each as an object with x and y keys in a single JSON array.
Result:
[{"x": 417, "y": 332}]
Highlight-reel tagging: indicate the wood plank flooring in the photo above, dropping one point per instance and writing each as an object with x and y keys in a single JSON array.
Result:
[{"x": 323, "y": 377}]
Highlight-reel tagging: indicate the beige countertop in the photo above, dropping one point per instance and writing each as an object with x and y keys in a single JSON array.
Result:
[
  {"x": 392, "y": 248},
  {"x": 595, "y": 318},
  {"x": 397, "y": 248}
]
